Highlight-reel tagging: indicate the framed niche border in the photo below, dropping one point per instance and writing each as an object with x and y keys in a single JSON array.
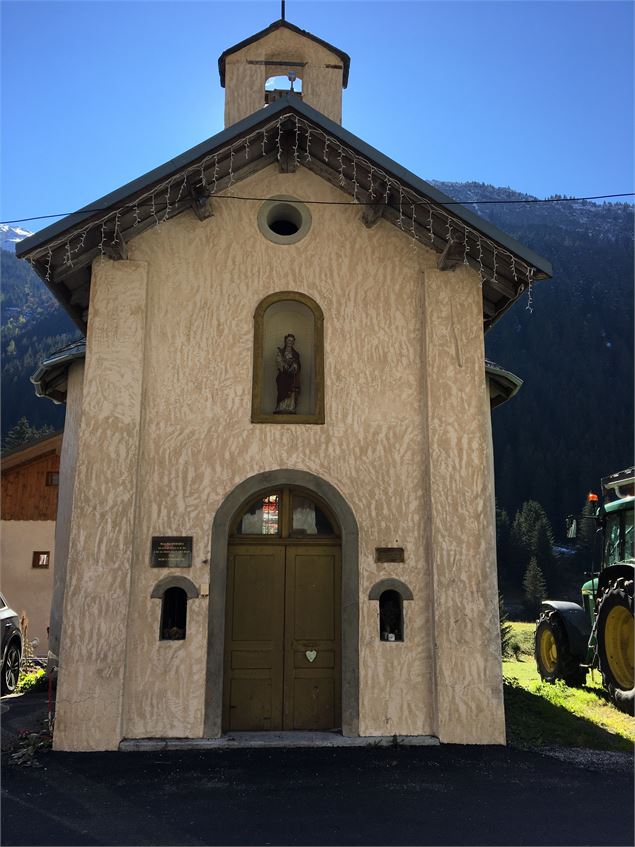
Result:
[{"x": 257, "y": 415}]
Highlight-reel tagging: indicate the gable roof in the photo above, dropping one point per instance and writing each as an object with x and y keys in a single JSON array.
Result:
[
  {"x": 282, "y": 24},
  {"x": 23, "y": 453},
  {"x": 294, "y": 134}
]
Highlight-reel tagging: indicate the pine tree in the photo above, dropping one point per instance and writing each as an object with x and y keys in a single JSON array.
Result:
[
  {"x": 530, "y": 514},
  {"x": 519, "y": 550},
  {"x": 534, "y": 587},
  {"x": 542, "y": 549},
  {"x": 22, "y": 432},
  {"x": 532, "y": 535},
  {"x": 505, "y": 577},
  {"x": 505, "y": 628}
]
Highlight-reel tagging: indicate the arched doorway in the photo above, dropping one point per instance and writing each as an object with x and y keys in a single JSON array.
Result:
[
  {"x": 282, "y": 658},
  {"x": 306, "y": 568}
]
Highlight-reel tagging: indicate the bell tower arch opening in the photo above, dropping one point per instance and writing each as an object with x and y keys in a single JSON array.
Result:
[{"x": 285, "y": 85}]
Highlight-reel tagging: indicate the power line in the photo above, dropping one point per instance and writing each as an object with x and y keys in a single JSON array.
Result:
[{"x": 344, "y": 203}]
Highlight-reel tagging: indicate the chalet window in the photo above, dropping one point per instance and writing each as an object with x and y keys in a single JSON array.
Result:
[
  {"x": 52, "y": 478},
  {"x": 173, "y": 615},
  {"x": 41, "y": 559},
  {"x": 288, "y": 375}
]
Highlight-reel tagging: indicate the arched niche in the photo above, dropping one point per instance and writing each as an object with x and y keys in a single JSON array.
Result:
[
  {"x": 390, "y": 594},
  {"x": 174, "y": 581},
  {"x": 288, "y": 360},
  {"x": 174, "y": 593},
  {"x": 390, "y": 584}
]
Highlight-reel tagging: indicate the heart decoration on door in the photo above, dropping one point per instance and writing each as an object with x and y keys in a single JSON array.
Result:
[{"x": 311, "y": 654}]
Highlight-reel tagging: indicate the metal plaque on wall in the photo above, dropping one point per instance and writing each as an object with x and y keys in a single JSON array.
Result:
[
  {"x": 171, "y": 551},
  {"x": 389, "y": 554}
]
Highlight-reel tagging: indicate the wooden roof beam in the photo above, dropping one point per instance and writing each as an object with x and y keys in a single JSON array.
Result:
[
  {"x": 200, "y": 201},
  {"x": 288, "y": 161},
  {"x": 452, "y": 256},
  {"x": 372, "y": 213},
  {"x": 489, "y": 309},
  {"x": 114, "y": 246},
  {"x": 502, "y": 287}
]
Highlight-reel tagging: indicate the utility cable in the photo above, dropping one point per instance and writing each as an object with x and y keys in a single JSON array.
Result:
[{"x": 342, "y": 203}]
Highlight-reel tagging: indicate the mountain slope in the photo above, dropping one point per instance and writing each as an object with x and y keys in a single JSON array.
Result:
[
  {"x": 32, "y": 325},
  {"x": 572, "y": 422}
]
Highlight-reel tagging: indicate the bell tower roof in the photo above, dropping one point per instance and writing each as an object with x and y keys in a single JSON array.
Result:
[{"x": 278, "y": 25}]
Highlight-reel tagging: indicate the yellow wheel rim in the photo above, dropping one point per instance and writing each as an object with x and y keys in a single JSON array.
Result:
[
  {"x": 618, "y": 642},
  {"x": 548, "y": 651}
]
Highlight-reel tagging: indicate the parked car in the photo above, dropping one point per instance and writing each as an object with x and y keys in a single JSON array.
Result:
[{"x": 11, "y": 647}]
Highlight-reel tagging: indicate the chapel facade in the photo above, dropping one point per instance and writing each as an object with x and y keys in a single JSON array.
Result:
[{"x": 277, "y": 470}]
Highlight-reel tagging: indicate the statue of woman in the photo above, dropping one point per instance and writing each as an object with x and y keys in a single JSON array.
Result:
[{"x": 288, "y": 378}]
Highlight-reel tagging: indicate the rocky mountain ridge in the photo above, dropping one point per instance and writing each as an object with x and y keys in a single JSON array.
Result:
[{"x": 11, "y": 235}]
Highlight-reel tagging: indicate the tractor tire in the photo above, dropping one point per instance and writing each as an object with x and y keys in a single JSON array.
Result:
[
  {"x": 615, "y": 643},
  {"x": 553, "y": 656}
]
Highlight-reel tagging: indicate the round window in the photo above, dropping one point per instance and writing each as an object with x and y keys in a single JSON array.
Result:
[{"x": 284, "y": 220}]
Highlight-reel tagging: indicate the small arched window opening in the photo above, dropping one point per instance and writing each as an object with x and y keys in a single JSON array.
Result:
[
  {"x": 173, "y": 615},
  {"x": 390, "y": 616},
  {"x": 289, "y": 84}
]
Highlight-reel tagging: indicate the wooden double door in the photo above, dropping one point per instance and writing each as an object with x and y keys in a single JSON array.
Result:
[{"x": 282, "y": 637}]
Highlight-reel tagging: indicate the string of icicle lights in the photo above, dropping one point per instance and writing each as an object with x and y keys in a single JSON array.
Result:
[{"x": 169, "y": 196}]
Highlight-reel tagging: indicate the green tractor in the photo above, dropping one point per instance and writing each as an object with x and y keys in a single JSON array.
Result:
[{"x": 572, "y": 639}]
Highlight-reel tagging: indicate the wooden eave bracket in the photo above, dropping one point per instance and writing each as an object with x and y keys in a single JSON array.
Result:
[
  {"x": 200, "y": 201},
  {"x": 372, "y": 213},
  {"x": 452, "y": 256},
  {"x": 114, "y": 248},
  {"x": 287, "y": 160}
]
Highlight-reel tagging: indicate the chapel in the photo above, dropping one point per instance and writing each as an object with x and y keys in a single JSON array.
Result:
[{"x": 276, "y": 492}]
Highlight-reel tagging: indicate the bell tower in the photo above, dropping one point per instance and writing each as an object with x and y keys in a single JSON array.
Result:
[{"x": 316, "y": 71}]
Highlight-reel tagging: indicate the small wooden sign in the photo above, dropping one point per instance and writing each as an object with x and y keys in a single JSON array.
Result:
[
  {"x": 389, "y": 554},
  {"x": 171, "y": 551}
]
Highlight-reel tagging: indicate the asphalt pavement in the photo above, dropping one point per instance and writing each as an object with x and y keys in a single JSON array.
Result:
[
  {"x": 21, "y": 712},
  {"x": 445, "y": 795}
]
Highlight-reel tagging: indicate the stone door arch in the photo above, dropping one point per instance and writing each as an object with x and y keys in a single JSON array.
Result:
[{"x": 222, "y": 524}]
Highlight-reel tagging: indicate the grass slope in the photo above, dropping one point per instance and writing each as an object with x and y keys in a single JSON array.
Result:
[{"x": 539, "y": 714}]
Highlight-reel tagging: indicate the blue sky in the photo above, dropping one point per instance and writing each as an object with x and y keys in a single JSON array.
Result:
[{"x": 537, "y": 96}]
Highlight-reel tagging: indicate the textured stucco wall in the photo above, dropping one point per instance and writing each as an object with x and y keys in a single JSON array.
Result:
[
  {"x": 245, "y": 83},
  {"x": 463, "y": 549},
  {"x": 26, "y": 588},
  {"x": 205, "y": 281},
  {"x": 68, "y": 465},
  {"x": 93, "y": 639},
  {"x": 196, "y": 444}
]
